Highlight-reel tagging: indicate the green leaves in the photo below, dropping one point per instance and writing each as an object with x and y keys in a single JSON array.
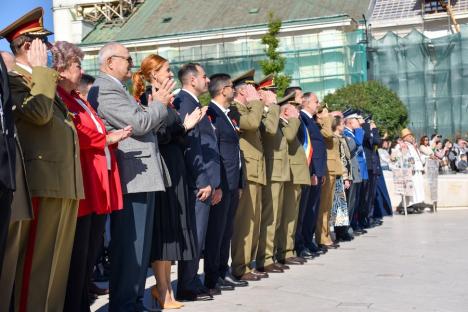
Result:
[
  {"x": 387, "y": 110},
  {"x": 275, "y": 62}
]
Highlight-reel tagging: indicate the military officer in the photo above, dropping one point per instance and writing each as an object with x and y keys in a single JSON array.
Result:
[
  {"x": 50, "y": 145},
  {"x": 277, "y": 173},
  {"x": 334, "y": 168},
  {"x": 251, "y": 115},
  {"x": 299, "y": 171}
]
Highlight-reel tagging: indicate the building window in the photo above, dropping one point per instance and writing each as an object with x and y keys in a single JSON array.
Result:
[{"x": 434, "y": 6}]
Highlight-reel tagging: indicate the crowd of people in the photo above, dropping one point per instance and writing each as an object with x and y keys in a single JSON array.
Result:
[
  {"x": 251, "y": 183},
  {"x": 451, "y": 157}
]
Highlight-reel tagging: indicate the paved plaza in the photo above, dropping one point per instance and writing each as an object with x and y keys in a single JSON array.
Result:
[{"x": 413, "y": 263}]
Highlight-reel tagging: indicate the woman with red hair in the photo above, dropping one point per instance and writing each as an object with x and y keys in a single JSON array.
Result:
[{"x": 174, "y": 224}]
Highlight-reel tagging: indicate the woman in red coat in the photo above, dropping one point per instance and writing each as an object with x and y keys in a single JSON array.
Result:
[{"x": 101, "y": 179}]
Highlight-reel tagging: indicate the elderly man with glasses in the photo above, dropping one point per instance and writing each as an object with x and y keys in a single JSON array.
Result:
[{"x": 141, "y": 173}]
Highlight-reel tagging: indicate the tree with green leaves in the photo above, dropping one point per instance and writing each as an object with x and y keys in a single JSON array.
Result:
[
  {"x": 275, "y": 62},
  {"x": 372, "y": 97}
]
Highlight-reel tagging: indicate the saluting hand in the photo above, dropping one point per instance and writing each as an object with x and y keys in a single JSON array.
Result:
[
  {"x": 162, "y": 92},
  {"x": 37, "y": 53},
  {"x": 251, "y": 94},
  {"x": 292, "y": 111},
  {"x": 268, "y": 98}
]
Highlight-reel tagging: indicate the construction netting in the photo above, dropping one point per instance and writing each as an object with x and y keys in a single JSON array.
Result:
[
  {"x": 429, "y": 75},
  {"x": 319, "y": 62}
]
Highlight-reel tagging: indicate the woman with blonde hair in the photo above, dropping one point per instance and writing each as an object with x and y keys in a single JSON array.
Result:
[{"x": 174, "y": 236}]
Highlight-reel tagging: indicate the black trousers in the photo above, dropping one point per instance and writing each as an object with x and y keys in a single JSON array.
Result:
[
  {"x": 373, "y": 179},
  {"x": 187, "y": 271},
  {"x": 353, "y": 198},
  {"x": 88, "y": 238},
  {"x": 130, "y": 248},
  {"x": 6, "y": 197},
  {"x": 361, "y": 213},
  {"x": 218, "y": 237},
  {"x": 307, "y": 217}
]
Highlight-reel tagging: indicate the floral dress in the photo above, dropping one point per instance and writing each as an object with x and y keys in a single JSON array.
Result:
[{"x": 339, "y": 213}]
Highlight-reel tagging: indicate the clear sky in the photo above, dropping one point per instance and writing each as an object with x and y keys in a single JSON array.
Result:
[{"x": 13, "y": 9}]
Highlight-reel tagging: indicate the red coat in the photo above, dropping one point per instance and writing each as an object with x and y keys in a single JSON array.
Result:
[{"x": 103, "y": 192}]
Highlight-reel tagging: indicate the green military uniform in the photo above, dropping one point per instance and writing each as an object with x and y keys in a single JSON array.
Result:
[
  {"x": 53, "y": 171},
  {"x": 284, "y": 238},
  {"x": 277, "y": 171},
  {"x": 334, "y": 168},
  {"x": 250, "y": 118},
  {"x": 21, "y": 215}
]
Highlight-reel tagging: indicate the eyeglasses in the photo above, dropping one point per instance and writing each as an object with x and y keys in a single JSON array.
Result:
[{"x": 128, "y": 59}]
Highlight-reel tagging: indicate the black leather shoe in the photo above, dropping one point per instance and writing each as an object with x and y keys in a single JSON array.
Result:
[
  {"x": 231, "y": 280},
  {"x": 216, "y": 291},
  {"x": 317, "y": 249},
  {"x": 345, "y": 237},
  {"x": 224, "y": 286},
  {"x": 94, "y": 289},
  {"x": 193, "y": 296},
  {"x": 360, "y": 231},
  {"x": 306, "y": 254}
]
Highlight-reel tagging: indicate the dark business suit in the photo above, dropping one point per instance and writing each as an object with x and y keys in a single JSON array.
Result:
[
  {"x": 310, "y": 198},
  {"x": 7, "y": 159},
  {"x": 370, "y": 143},
  {"x": 202, "y": 161},
  {"x": 221, "y": 220}
]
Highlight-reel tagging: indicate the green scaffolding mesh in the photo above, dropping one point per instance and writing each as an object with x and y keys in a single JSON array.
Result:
[
  {"x": 318, "y": 62},
  {"x": 429, "y": 75}
]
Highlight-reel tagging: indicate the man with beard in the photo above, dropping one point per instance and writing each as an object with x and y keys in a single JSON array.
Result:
[
  {"x": 221, "y": 220},
  {"x": 202, "y": 161}
]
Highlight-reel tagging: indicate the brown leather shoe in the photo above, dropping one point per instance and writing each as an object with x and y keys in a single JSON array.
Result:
[
  {"x": 271, "y": 268},
  {"x": 300, "y": 259},
  {"x": 249, "y": 277},
  {"x": 293, "y": 261},
  {"x": 281, "y": 266},
  {"x": 260, "y": 274}
]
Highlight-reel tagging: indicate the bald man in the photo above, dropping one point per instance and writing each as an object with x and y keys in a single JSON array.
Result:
[{"x": 141, "y": 173}]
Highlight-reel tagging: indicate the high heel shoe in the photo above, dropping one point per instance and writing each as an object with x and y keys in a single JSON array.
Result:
[{"x": 162, "y": 304}]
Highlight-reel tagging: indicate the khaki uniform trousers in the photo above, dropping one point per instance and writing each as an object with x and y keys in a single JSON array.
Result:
[
  {"x": 15, "y": 248},
  {"x": 287, "y": 221},
  {"x": 244, "y": 242},
  {"x": 272, "y": 206},
  {"x": 322, "y": 231},
  {"x": 43, "y": 269}
]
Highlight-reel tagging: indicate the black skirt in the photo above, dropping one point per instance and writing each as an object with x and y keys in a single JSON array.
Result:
[{"x": 174, "y": 229}]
